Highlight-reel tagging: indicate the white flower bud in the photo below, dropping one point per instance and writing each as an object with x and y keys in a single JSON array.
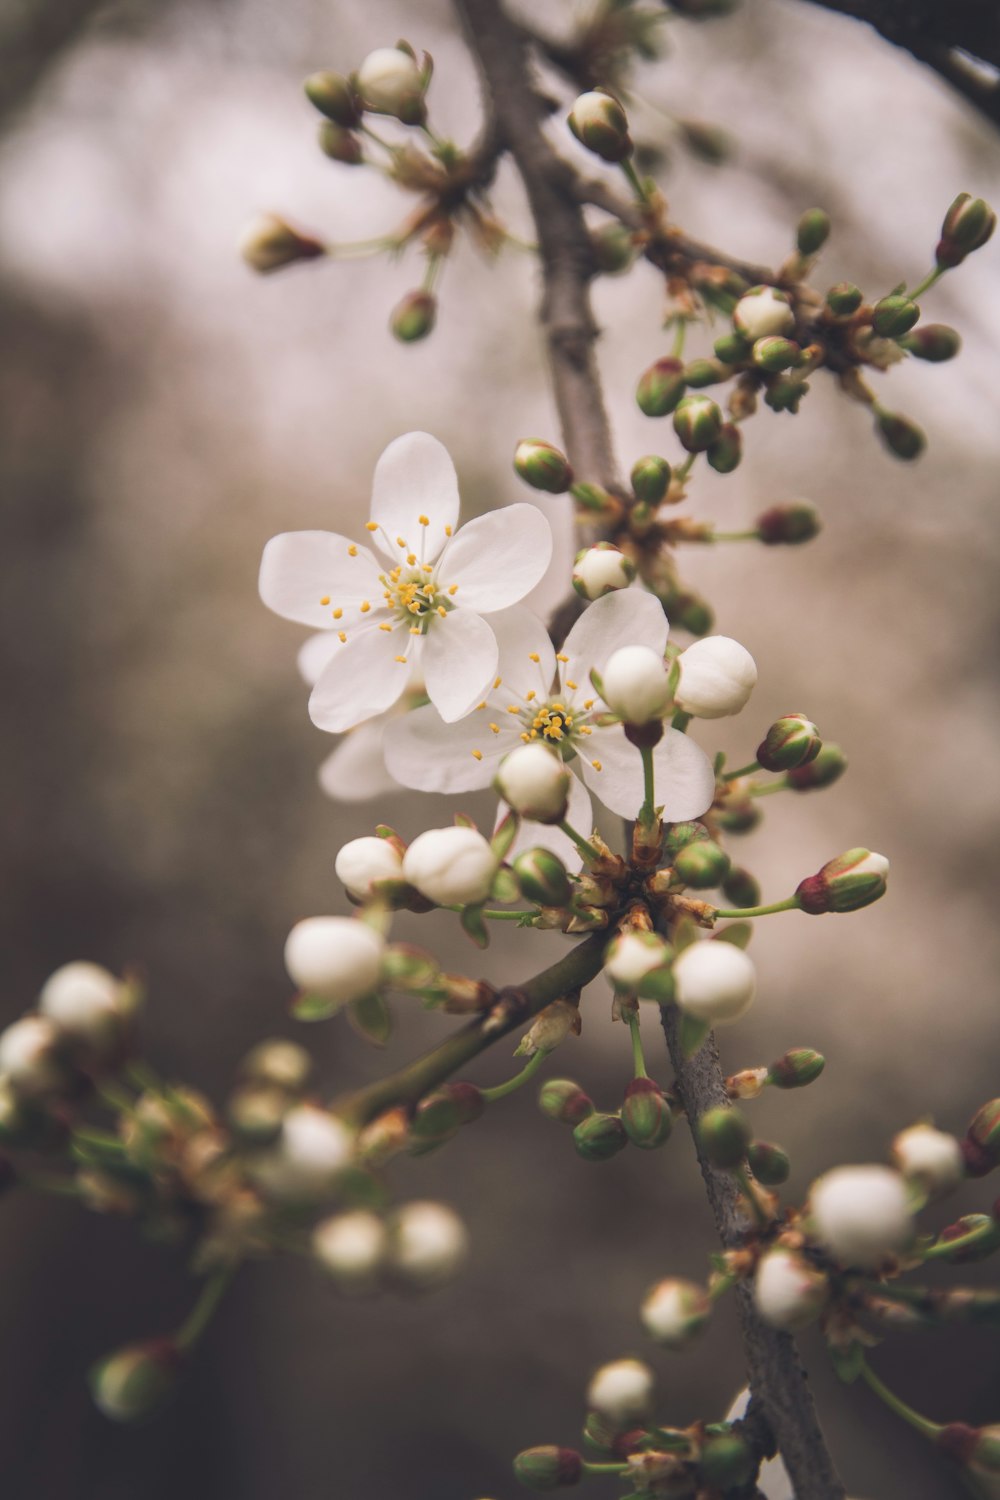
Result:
[
  {"x": 83, "y": 1000},
  {"x": 312, "y": 1150},
  {"x": 534, "y": 781},
  {"x": 928, "y": 1156},
  {"x": 716, "y": 982},
  {"x": 622, "y": 1391},
  {"x": 636, "y": 684},
  {"x": 388, "y": 82},
  {"x": 27, "y": 1056},
  {"x": 675, "y": 1311},
  {"x": 633, "y": 955},
  {"x": 600, "y": 569},
  {"x": 452, "y": 866},
  {"x": 428, "y": 1243},
  {"x": 788, "y": 1291},
  {"x": 336, "y": 958},
  {"x": 717, "y": 677},
  {"x": 363, "y": 861},
  {"x": 351, "y": 1248},
  {"x": 763, "y": 311},
  {"x": 861, "y": 1214},
  {"x": 270, "y": 242},
  {"x": 550, "y": 1028}
]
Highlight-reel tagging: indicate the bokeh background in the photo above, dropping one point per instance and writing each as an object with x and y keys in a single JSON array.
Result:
[{"x": 162, "y": 413}]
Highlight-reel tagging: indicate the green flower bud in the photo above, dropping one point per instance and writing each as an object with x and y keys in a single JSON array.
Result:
[
  {"x": 270, "y": 243},
  {"x": 563, "y": 1100},
  {"x": 768, "y": 1163},
  {"x": 542, "y": 877},
  {"x": 599, "y": 123},
  {"x": 413, "y": 317},
  {"x": 934, "y": 342},
  {"x": 614, "y": 248},
  {"x": 703, "y": 865},
  {"x": 796, "y": 1068},
  {"x": 844, "y": 299},
  {"x": 895, "y": 315},
  {"x": 436, "y": 1119},
  {"x": 775, "y": 354},
  {"x": 661, "y": 387},
  {"x": 812, "y": 232},
  {"x": 791, "y": 741},
  {"x": 697, "y": 422},
  {"x": 646, "y": 1115},
  {"x": 679, "y": 835},
  {"x": 339, "y": 144},
  {"x": 285, "y": 1065},
  {"x": 548, "y": 1468},
  {"x": 689, "y": 611},
  {"x": 333, "y": 96},
  {"x": 982, "y": 1140},
  {"x": 725, "y": 453},
  {"x": 738, "y": 815},
  {"x": 137, "y": 1381},
  {"x": 724, "y": 1134},
  {"x": 675, "y": 1311},
  {"x": 826, "y": 768},
  {"x": 968, "y": 224},
  {"x": 788, "y": 525},
  {"x": 732, "y": 348},
  {"x": 847, "y": 883},
  {"x": 901, "y": 436},
  {"x": 542, "y": 466},
  {"x": 593, "y": 498},
  {"x": 708, "y": 142},
  {"x": 726, "y": 1462},
  {"x": 702, "y": 372},
  {"x": 972, "y": 1237},
  {"x": 466, "y": 1099},
  {"x": 390, "y": 82},
  {"x": 599, "y": 1137},
  {"x": 740, "y": 888},
  {"x": 650, "y": 478},
  {"x": 783, "y": 394}
]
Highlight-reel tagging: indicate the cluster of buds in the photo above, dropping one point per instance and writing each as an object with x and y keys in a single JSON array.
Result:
[{"x": 417, "y": 1247}]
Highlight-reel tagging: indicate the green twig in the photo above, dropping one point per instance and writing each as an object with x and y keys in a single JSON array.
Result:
[{"x": 527, "y": 1073}]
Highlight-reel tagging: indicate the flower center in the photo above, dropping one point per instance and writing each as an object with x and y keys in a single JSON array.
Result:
[
  {"x": 552, "y": 722},
  {"x": 415, "y": 595}
]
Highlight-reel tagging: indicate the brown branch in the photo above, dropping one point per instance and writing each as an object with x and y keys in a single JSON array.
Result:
[{"x": 32, "y": 36}]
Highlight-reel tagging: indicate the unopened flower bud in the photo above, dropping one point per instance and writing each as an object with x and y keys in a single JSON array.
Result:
[
  {"x": 428, "y": 1244},
  {"x": 971, "y": 1238},
  {"x": 699, "y": 373},
  {"x": 284, "y": 1064},
  {"x": 650, "y": 478},
  {"x": 774, "y": 353},
  {"x": 788, "y": 525},
  {"x": 29, "y": 1057},
  {"x": 826, "y": 768},
  {"x": 646, "y": 1114},
  {"x": 901, "y": 436},
  {"x": 269, "y": 243},
  {"x": 847, "y": 883},
  {"x": 679, "y": 835},
  {"x": 789, "y": 1292},
  {"x": 435, "y": 1121},
  {"x": 812, "y": 231},
  {"x": 716, "y": 982},
  {"x": 631, "y": 956},
  {"x": 982, "y": 1140},
  {"x": 934, "y": 342},
  {"x": 413, "y": 317},
  {"x": 599, "y": 1137},
  {"x": 844, "y": 299},
  {"x": 548, "y": 1468},
  {"x": 622, "y": 1391},
  {"x": 738, "y": 814},
  {"x": 340, "y": 144},
  {"x": 697, "y": 422},
  {"x": 725, "y": 453},
  {"x": 895, "y": 315},
  {"x": 661, "y": 387},
  {"x": 768, "y": 1163},
  {"x": 732, "y": 348},
  {"x": 137, "y": 1381},
  {"x": 796, "y": 1068},
  {"x": 256, "y": 1113},
  {"x": 337, "y": 959},
  {"x": 968, "y": 224},
  {"x": 451, "y": 865},
  {"x": 740, "y": 888},
  {"x": 689, "y": 611},
  {"x": 717, "y": 676},
  {"x": 930, "y": 1157},
  {"x": 763, "y": 311},
  {"x": 84, "y": 1001},
  {"x": 708, "y": 142},
  {"x": 550, "y": 1028},
  {"x": 636, "y": 684},
  {"x": 363, "y": 862},
  {"x": 726, "y": 1462},
  {"x": 351, "y": 1248},
  {"x": 977, "y": 1451},
  {"x": 534, "y": 781},
  {"x": 563, "y": 1100},
  {"x": 542, "y": 877},
  {"x": 333, "y": 96},
  {"x": 309, "y": 1155},
  {"x": 702, "y": 865},
  {"x": 599, "y": 123},
  {"x": 724, "y": 1134},
  {"x": 675, "y": 1311},
  {"x": 614, "y": 247},
  {"x": 791, "y": 741},
  {"x": 861, "y": 1214},
  {"x": 542, "y": 466},
  {"x": 601, "y": 569},
  {"x": 389, "y": 82}
]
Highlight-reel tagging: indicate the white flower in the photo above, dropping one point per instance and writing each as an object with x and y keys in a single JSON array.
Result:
[
  {"x": 361, "y": 862},
  {"x": 355, "y": 771},
  {"x": 428, "y": 1243},
  {"x": 312, "y": 1150},
  {"x": 675, "y": 1311},
  {"x": 928, "y": 1156},
  {"x": 534, "y": 781},
  {"x": 717, "y": 677},
  {"x": 636, "y": 684},
  {"x": 84, "y": 1000},
  {"x": 27, "y": 1056},
  {"x": 715, "y": 981},
  {"x": 622, "y": 1391},
  {"x": 388, "y": 80},
  {"x": 336, "y": 958},
  {"x": 600, "y": 569},
  {"x": 788, "y": 1291},
  {"x": 861, "y": 1214},
  {"x": 451, "y": 865},
  {"x": 763, "y": 311},
  {"x": 633, "y": 955},
  {"x": 538, "y": 696},
  {"x": 351, "y": 1248},
  {"x": 427, "y": 598}
]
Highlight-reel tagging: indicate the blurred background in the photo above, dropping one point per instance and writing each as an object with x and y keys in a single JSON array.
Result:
[{"x": 162, "y": 413}]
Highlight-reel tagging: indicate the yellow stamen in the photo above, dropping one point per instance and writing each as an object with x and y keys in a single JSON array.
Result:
[
  {"x": 478, "y": 754},
  {"x": 414, "y": 629},
  {"x": 453, "y": 590},
  {"x": 533, "y": 656},
  {"x": 338, "y": 614},
  {"x": 571, "y": 685},
  {"x": 385, "y": 627},
  {"x": 402, "y": 659},
  {"x": 371, "y": 526},
  {"x": 424, "y": 520},
  {"x": 401, "y": 541},
  {"x": 561, "y": 657},
  {"x": 325, "y": 599},
  {"x": 479, "y": 706},
  {"x": 342, "y": 635},
  {"x": 495, "y": 727},
  {"x": 584, "y": 730},
  {"x": 597, "y": 765},
  {"x": 365, "y": 606},
  {"x": 411, "y": 559},
  {"x": 441, "y": 611},
  {"x": 447, "y": 531},
  {"x": 427, "y": 567},
  {"x": 589, "y": 703},
  {"x": 526, "y": 738},
  {"x": 512, "y": 708},
  {"x": 531, "y": 695},
  {"x": 352, "y": 551}
]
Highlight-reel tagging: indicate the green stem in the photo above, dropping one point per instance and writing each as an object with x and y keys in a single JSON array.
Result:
[
  {"x": 638, "y": 1056},
  {"x": 735, "y": 536},
  {"x": 495, "y": 914},
  {"x": 680, "y": 334},
  {"x": 357, "y": 249},
  {"x": 648, "y": 811},
  {"x": 586, "y": 849},
  {"x": 927, "y": 283},
  {"x": 683, "y": 469},
  {"x": 680, "y": 720},
  {"x": 743, "y": 771},
  {"x": 527, "y": 1073},
  {"x": 374, "y": 136},
  {"x": 767, "y": 789},
  {"x": 635, "y": 181},
  {"x": 45, "y": 1182},
  {"x": 434, "y": 263},
  {"x": 746, "y": 1188},
  {"x": 604, "y": 1468},
  {"x": 200, "y": 1316},
  {"x": 790, "y": 903},
  {"x": 116, "y": 1098},
  {"x": 929, "y": 1429}
]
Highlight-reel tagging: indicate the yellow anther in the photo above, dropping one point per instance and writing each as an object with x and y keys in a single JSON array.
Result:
[
  {"x": 497, "y": 683},
  {"x": 512, "y": 708},
  {"x": 338, "y": 614},
  {"x": 479, "y": 706},
  {"x": 584, "y": 730},
  {"x": 371, "y": 526},
  {"x": 533, "y": 656},
  {"x": 478, "y": 754},
  {"x": 427, "y": 567},
  {"x": 561, "y": 657},
  {"x": 441, "y": 611},
  {"x": 402, "y": 659},
  {"x": 495, "y": 727},
  {"x": 424, "y": 520},
  {"x": 342, "y": 635},
  {"x": 571, "y": 685},
  {"x": 447, "y": 531},
  {"x": 414, "y": 629},
  {"x": 325, "y": 599},
  {"x": 352, "y": 551},
  {"x": 530, "y": 695},
  {"x": 385, "y": 627},
  {"x": 597, "y": 765},
  {"x": 453, "y": 590},
  {"x": 365, "y": 606},
  {"x": 527, "y": 738},
  {"x": 411, "y": 559},
  {"x": 401, "y": 541},
  {"x": 589, "y": 703}
]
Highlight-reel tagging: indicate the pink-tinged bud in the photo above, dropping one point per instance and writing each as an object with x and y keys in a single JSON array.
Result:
[
  {"x": 982, "y": 1140},
  {"x": 661, "y": 387},
  {"x": 413, "y": 317},
  {"x": 599, "y": 1137},
  {"x": 769, "y": 1163},
  {"x": 901, "y": 436},
  {"x": 542, "y": 466},
  {"x": 650, "y": 478},
  {"x": 791, "y": 741},
  {"x": 599, "y": 123},
  {"x": 967, "y": 226},
  {"x": 789, "y": 1291},
  {"x": 796, "y": 1068},
  {"x": 725, "y": 453},
  {"x": 724, "y": 1134},
  {"x": 844, "y": 299},
  {"x": 563, "y": 1100},
  {"x": 333, "y": 96},
  {"x": 548, "y": 1468},
  {"x": 340, "y": 144},
  {"x": 270, "y": 243},
  {"x": 934, "y": 342},
  {"x": 774, "y": 354},
  {"x": 646, "y": 1114},
  {"x": 675, "y": 1311},
  {"x": 893, "y": 316},
  {"x": 137, "y": 1381},
  {"x": 812, "y": 231},
  {"x": 977, "y": 1450},
  {"x": 847, "y": 883},
  {"x": 697, "y": 423},
  {"x": 823, "y": 770},
  {"x": 788, "y": 525},
  {"x": 972, "y": 1237}
]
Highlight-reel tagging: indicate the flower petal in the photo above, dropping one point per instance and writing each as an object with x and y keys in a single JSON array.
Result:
[
  {"x": 579, "y": 815},
  {"x": 497, "y": 558},
  {"x": 356, "y": 771},
  {"x": 520, "y": 637},
  {"x": 459, "y": 662},
  {"x": 362, "y": 680},
  {"x": 299, "y": 569},
  {"x": 415, "y": 477},
  {"x": 422, "y": 751},
  {"x": 315, "y": 652},
  {"x": 628, "y": 617},
  {"x": 684, "y": 781}
]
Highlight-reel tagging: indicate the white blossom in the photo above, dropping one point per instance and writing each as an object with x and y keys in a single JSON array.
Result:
[
  {"x": 763, "y": 311},
  {"x": 788, "y": 1291},
  {"x": 600, "y": 569},
  {"x": 388, "y": 80},
  {"x": 622, "y": 1391},
  {"x": 362, "y": 862},
  {"x": 717, "y": 677},
  {"x": 636, "y": 684},
  {"x": 716, "y": 981},
  {"x": 452, "y": 866},
  {"x": 428, "y": 1243},
  {"x": 631, "y": 956},
  {"x": 861, "y": 1214},
  {"x": 311, "y": 1151},
  {"x": 336, "y": 958},
  {"x": 83, "y": 1000},
  {"x": 351, "y": 1248},
  {"x": 928, "y": 1156},
  {"x": 674, "y": 1311},
  {"x": 27, "y": 1055},
  {"x": 534, "y": 781}
]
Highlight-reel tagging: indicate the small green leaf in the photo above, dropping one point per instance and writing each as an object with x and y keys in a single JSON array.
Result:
[
  {"x": 693, "y": 1034},
  {"x": 462, "y": 820},
  {"x": 684, "y": 934},
  {"x": 737, "y": 933},
  {"x": 371, "y": 1017},
  {"x": 307, "y": 1007},
  {"x": 848, "y": 1362},
  {"x": 505, "y": 887},
  {"x": 504, "y": 835},
  {"x": 475, "y": 926}
]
